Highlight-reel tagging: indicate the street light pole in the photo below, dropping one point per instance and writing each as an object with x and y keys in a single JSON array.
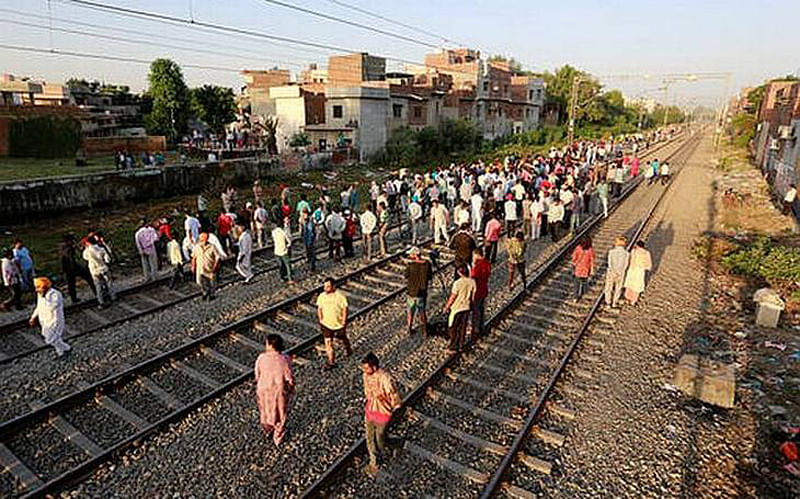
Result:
[{"x": 573, "y": 108}]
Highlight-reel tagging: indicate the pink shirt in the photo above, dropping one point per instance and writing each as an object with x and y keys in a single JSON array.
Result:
[
  {"x": 146, "y": 238},
  {"x": 492, "y": 230}
]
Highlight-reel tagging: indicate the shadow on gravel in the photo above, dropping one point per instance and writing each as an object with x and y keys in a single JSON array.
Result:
[{"x": 658, "y": 241}]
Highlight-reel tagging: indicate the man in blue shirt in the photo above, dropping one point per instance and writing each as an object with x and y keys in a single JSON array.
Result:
[{"x": 23, "y": 257}]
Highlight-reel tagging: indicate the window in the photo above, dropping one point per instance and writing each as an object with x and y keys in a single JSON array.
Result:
[
  {"x": 437, "y": 108},
  {"x": 397, "y": 110},
  {"x": 505, "y": 89},
  {"x": 530, "y": 94},
  {"x": 338, "y": 111},
  {"x": 418, "y": 112},
  {"x": 538, "y": 93},
  {"x": 486, "y": 86}
]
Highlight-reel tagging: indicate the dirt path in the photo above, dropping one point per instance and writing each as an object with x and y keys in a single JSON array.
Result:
[{"x": 634, "y": 437}]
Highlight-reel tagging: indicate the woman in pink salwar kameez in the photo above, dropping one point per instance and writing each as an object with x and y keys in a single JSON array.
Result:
[{"x": 274, "y": 387}]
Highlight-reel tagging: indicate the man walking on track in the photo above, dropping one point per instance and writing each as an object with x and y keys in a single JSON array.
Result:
[
  {"x": 274, "y": 387},
  {"x": 418, "y": 276},
  {"x": 368, "y": 223},
  {"x": 460, "y": 305},
  {"x": 243, "y": 263},
  {"x": 462, "y": 245},
  {"x": 516, "y": 247},
  {"x": 72, "y": 268},
  {"x": 615, "y": 275},
  {"x": 205, "y": 262},
  {"x": 439, "y": 222},
  {"x": 49, "y": 313},
  {"x": 583, "y": 266},
  {"x": 280, "y": 248},
  {"x": 481, "y": 271},
  {"x": 146, "y": 238},
  {"x": 98, "y": 258},
  {"x": 12, "y": 280},
  {"x": 491, "y": 236},
  {"x": 332, "y": 315},
  {"x": 382, "y": 400}
]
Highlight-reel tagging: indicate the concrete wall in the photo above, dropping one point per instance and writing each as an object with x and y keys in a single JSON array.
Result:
[
  {"x": 109, "y": 145},
  {"x": 27, "y": 198},
  {"x": 372, "y": 126},
  {"x": 290, "y": 108}
]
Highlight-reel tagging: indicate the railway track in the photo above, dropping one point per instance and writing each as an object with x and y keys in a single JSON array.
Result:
[
  {"x": 463, "y": 428},
  {"x": 19, "y": 340},
  {"x": 98, "y": 421}
]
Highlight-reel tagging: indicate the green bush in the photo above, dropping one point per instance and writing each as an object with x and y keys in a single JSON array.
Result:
[
  {"x": 406, "y": 147},
  {"x": 45, "y": 137},
  {"x": 764, "y": 259},
  {"x": 300, "y": 139}
]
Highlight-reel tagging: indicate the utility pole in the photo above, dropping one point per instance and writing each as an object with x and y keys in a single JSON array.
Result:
[
  {"x": 573, "y": 108},
  {"x": 666, "y": 104}
]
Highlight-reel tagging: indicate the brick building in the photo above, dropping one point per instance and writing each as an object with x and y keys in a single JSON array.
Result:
[
  {"x": 356, "y": 103},
  {"x": 776, "y": 144}
]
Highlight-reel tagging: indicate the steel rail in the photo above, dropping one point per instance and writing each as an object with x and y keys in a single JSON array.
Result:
[
  {"x": 359, "y": 447},
  {"x": 497, "y": 478},
  {"x": 58, "y": 406},
  {"x": 134, "y": 290}
]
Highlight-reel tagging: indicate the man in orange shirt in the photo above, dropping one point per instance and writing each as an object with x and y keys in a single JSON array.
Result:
[{"x": 382, "y": 400}]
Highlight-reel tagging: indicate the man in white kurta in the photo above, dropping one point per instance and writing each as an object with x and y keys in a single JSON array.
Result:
[
  {"x": 245, "y": 251},
  {"x": 49, "y": 313}
]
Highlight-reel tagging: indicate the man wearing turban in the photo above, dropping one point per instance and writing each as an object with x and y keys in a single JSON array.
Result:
[{"x": 49, "y": 314}]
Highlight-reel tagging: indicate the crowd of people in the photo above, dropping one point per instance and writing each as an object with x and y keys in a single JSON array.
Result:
[
  {"x": 470, "y": 208},
  {"x": 527, "y": 198},
  {"x": 125, "y": 160}
]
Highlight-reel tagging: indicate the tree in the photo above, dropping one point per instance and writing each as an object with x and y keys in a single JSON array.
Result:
[
  {"x": 402, "y": 148},
  {"x": 675, "y": 115},
  {"x": 170, "y": 96},
  {"x": 559, "y": 89},
  {"x": 213, "y": 105}
]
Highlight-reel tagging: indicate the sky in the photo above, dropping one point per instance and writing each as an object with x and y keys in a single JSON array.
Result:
[{"x": 628, "y": 44}]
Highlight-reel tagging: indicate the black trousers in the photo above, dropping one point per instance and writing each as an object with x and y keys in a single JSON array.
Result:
[
  {"x": 491, "y": 251},
  {"x": 72, "y": 277}
]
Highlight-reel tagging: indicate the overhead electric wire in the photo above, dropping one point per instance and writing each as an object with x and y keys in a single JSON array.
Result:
[
  {"x": 399, "y": 23},
  {"x": 348, "y": 22},
  {"x": 406, "y": 25},
  {"x": 133, "y": 40},
  {"x": 85, "y": 55},
  {"x": 139, "y": 14},
  {"x": 202, "y": 24},
  {"x": 204, "y": 43}
]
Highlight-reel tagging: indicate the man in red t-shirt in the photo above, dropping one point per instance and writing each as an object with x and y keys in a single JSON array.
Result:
[
  {"x": 481, "y": 270},
  {"x": 224, "y": 226}
]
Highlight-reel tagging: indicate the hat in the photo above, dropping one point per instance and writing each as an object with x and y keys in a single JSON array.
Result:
[
  {"x": 248, "y": 205},
  {"x": 413, "y": 251},
  {"x": 42, "y": 281}
]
